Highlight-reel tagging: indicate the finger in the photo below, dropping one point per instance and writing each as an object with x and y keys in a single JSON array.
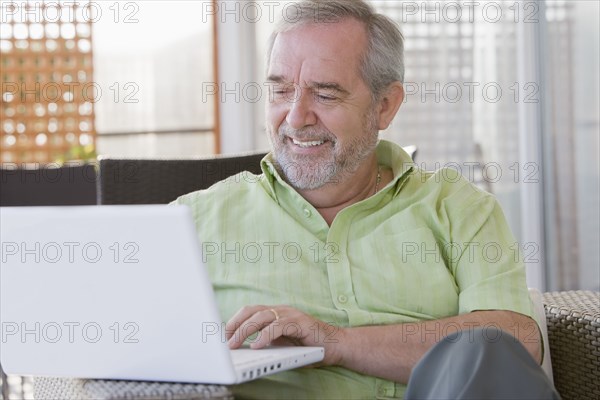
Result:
[
  {"x": 267, "y": 335},
  {"x": 290, "y": 329},
  {"x": 256, "y": 323},
  {"x": 240, "y": 317}
]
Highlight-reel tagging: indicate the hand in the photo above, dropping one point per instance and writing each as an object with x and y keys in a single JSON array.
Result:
[{"x": 283, "y": 325}]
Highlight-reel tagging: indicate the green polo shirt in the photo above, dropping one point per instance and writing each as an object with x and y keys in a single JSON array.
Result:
[{"x": 427, "y": 246}]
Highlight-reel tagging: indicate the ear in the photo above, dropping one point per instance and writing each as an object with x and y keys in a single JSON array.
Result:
[{"x": 389, "y": 104}]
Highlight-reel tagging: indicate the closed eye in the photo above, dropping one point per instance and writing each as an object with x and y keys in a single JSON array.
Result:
[
  {"x": 283, "y": 91},
  {"x": 328, "y": 91},
  {"x": 325, "y": 97}
]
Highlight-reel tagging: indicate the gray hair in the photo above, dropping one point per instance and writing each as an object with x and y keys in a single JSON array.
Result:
[{"x": 383, "y": 61}]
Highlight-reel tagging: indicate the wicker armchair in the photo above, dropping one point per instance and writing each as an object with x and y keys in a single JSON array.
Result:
[
  {"x": 573, "y": 320},
  {"x": 156, "y": 181}
]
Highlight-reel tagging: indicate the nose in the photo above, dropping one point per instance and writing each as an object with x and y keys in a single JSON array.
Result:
[{"x": 300, "y": 113}]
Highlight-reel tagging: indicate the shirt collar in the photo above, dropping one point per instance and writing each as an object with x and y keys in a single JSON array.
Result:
[
  {"x": 388, "y": 154},
  {"x": 393, "y": 156}
]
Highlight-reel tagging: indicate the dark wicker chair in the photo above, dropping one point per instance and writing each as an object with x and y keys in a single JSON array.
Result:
[
  {"x": 573, "y": 320},
  {"x": 46, "y": 186},
  {"x": 160, "y": 181}
]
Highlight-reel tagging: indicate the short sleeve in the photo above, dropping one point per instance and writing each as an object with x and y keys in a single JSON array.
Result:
[{"x": 487, "y": 261}]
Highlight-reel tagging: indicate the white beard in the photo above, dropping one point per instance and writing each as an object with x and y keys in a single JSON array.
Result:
[{"x": 308, "y": 172}]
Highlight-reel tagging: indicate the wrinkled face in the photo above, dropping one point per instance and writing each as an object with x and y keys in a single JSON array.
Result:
[{"x": 320, "y": 117}]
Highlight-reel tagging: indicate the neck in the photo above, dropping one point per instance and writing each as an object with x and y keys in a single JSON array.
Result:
[{"x": 333, "y": 197}]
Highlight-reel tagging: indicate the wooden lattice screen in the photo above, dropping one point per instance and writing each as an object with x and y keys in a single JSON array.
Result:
[{"x": 48, "y": 92}]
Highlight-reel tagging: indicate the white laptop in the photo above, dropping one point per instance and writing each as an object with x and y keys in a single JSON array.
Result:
[{"x": 117, "y": 292}]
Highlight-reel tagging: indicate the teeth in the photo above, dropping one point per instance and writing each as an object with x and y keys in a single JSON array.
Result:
[{"x": 309, "y": 143}]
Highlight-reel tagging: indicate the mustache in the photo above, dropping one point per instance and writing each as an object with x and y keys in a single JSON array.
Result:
[{"x": 306, "y": 134}]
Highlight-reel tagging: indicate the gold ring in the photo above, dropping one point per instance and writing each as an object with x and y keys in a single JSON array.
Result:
[{"x": 275, "y": 313}]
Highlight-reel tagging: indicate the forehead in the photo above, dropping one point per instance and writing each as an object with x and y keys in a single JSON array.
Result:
[{"x": 328, "y": 51}]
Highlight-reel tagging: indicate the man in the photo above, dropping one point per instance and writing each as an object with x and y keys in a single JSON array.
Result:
[{"x": 343, "y": 242}]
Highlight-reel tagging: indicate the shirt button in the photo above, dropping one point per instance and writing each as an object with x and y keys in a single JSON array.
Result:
[
  {"x": 307, "y": 213},
  {"x": 381, "y": 391},
  {"x": 342, "y": 298}
]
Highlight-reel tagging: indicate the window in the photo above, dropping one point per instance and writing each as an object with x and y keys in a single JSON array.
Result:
[{"x": 153, "y": 61}]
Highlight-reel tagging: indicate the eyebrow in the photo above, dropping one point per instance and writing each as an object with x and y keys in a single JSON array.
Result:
[
  {"x": 314, "y": 85},
  {"x": 275, "y": 79}
]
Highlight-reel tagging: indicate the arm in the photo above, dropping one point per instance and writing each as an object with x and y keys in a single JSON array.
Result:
[
  {"x": 391, "y": 352},
  {"x": 388, "y": 352}
]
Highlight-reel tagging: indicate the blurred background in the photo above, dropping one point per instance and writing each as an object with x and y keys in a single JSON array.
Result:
[{"x": 505, "y": 91}]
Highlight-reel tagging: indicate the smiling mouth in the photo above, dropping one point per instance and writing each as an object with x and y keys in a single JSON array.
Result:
[{"x": 308, "y": 143}]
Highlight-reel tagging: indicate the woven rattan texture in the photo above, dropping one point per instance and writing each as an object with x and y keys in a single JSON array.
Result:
[
  {"x": 84, "y": 389},
  {"x": 162, "y": 181},
  {"x": 573, "y": 320}
]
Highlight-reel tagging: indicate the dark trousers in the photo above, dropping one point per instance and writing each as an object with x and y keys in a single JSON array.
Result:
[{"x": 479, "y": 364}]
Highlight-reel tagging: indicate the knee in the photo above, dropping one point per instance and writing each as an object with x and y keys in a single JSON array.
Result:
[{"x": 481, "y": 337}]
